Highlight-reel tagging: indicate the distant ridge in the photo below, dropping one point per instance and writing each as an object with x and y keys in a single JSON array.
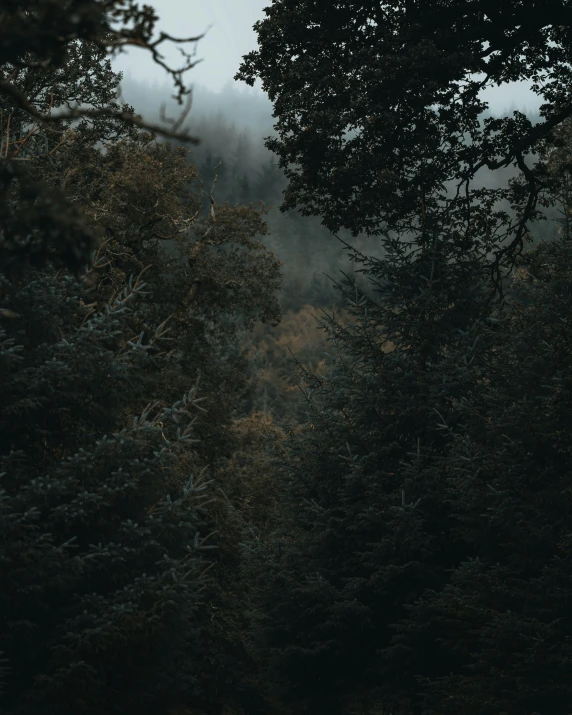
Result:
[{"x": 242, "y": 106}]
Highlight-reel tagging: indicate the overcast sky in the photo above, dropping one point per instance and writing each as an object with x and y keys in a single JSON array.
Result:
[{"x": 231, "y": 36}]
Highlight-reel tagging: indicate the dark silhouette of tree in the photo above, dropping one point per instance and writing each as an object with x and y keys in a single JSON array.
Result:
[
  {"x": 372, "y": 103},
  {"x": 366, "y": 529},
  {"x": 47, "y": 49},
  {"x": 268, "y": 183},
  {"x": 499, "y": 630},
  {"x": 105, "y": 603},
  {"x": 382, "y": 508},
  {"x": 101, "y": 547}
]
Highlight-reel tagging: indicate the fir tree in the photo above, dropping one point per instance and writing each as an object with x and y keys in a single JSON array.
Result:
[
  {"x": 500, "y": 629},
  {"x": 268, "y": 182},
  {"x": 89, "y": 179},
  {"x": 101, "y": 546},
  {"x": 377, "y": 110},
  {"x": 367, "y": 528}
]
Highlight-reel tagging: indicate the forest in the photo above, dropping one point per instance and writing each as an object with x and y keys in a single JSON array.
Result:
[{"x": 285, "y": 416}]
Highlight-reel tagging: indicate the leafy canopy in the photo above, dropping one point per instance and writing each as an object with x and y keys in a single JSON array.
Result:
[{"x": 377, "y": 105}]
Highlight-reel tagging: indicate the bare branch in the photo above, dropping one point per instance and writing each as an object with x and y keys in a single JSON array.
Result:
[{"x": 8, "y": 90}]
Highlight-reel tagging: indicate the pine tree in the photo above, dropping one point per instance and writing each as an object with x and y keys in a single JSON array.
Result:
[
  {"x": 374, "y": 120},
  {"x": 268, "y": 182},
  {"x": 367, "y": 528},
  {"x": 498, "y": 629},
  {"x": 501, "y": 626},
  {"x": 101, "y": 529},
  {"x": 89, "y": 191}
]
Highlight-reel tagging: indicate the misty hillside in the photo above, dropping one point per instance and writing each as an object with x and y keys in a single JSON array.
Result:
[
  {"x": 231, "y": 126},
  {"x": 253, "y": 466}
]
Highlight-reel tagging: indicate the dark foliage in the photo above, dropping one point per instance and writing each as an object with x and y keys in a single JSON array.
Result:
[
  {"x": 53, "y": 56},
  {"x": 368, "y": 527},
  {"x": 100, "y": 535},
  {"x": 373, "y": 102},
  {"x": 366, "y": 599},
  {"x": 103, "y": 516},
  {"x": 408, "y": 548},
  {"x": 500, "y": 631}
]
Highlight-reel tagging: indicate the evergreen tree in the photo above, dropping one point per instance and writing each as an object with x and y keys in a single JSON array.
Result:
[
  {"x": 377, "y": 110},
  {"x": 268, "y": 183},
  {"x": 210, "y": 276},
  {"x": 500, "y": 628},
  {"x": 91, "y": 191},
  {"x": 367, "y": 529},
  {"x": 244, "y": 190},
  {"x": 100, "y": 520}
]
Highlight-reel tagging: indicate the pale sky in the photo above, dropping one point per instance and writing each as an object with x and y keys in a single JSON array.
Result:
[
  {"x": 221, "y": 50},
  {"x": 231, "y": 36}
]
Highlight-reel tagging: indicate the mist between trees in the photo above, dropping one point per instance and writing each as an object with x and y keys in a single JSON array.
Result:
[
  {"x": 232, "y": 125},
  {"x": 190, "y": 522}
]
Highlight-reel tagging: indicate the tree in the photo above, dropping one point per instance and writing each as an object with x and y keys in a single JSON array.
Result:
[
  {"x": 501, "y": 624},
  {"x": 500, "y": 627},
  {"x": 366, "y": 530},
  {"x": 88, "y": 190},
  {"x": 209, "y": 280},
  {"x": 373, "y": 102},
  {"x": 94, "y": 180},
  {"x": 373, "y": 110},
  {"x": 37, "y": 40},
  {"x": 209, "y": 276},
  {"x": 268, "y": 182},
  {"x": 101, "y": 547},
  {"x": 484, "y": 541}
]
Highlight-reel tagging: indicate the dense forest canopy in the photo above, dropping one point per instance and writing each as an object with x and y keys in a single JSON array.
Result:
[
  {"x": 183, "y": 529},
  {"x": 111, "y": 350}
]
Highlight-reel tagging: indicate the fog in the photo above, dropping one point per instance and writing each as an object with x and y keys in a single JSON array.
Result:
[{"x": 231, "y": 125}]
